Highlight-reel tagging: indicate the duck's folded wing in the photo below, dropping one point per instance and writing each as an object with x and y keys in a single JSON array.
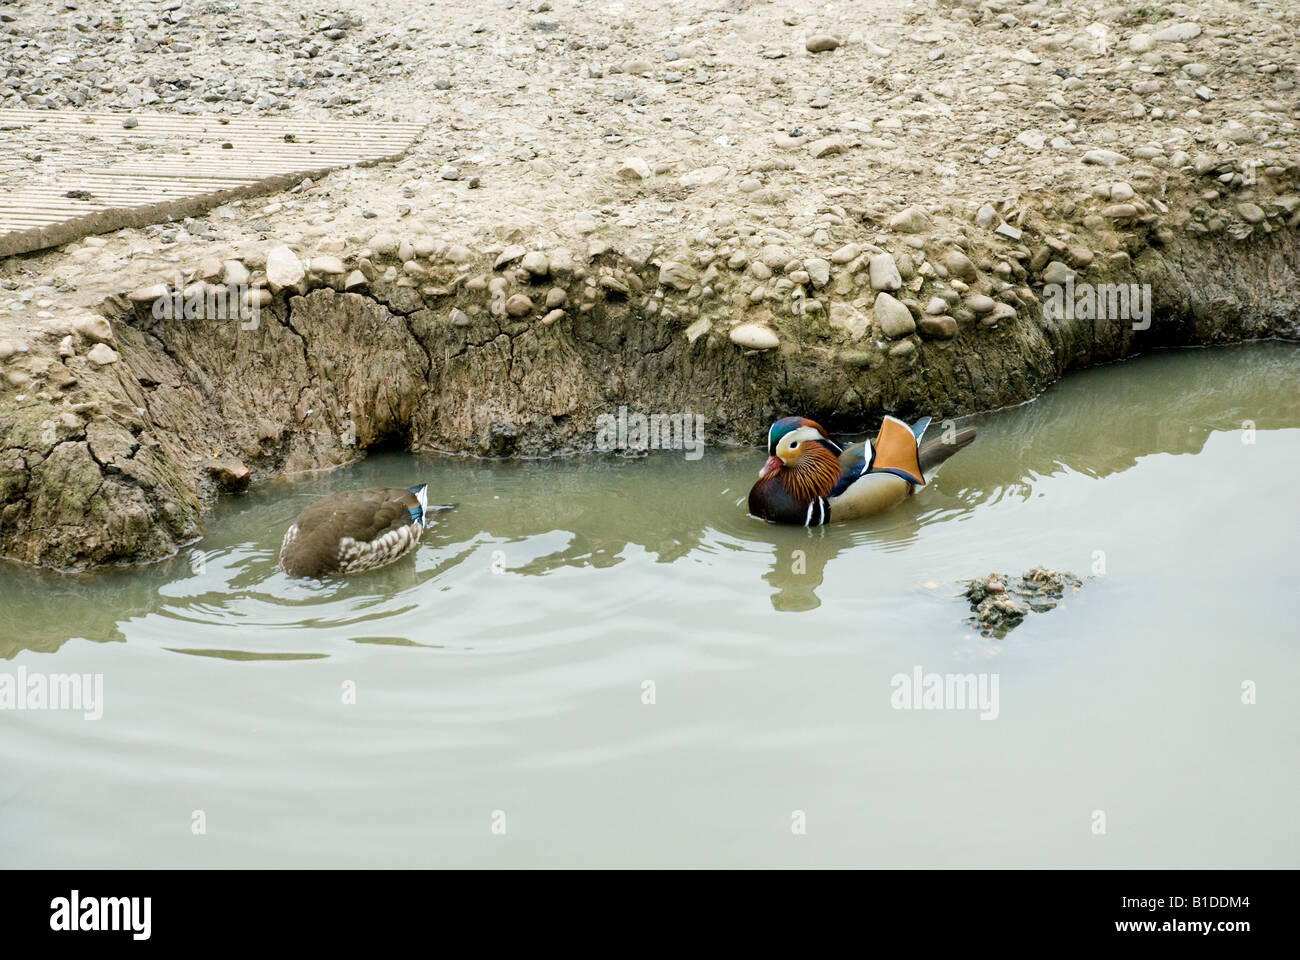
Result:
[
  {"x": 896, "y": 451},
  {"x": 382, "y": 510},
  {"x": 361, "y": 514},
  {"x": 855, "y": 460}
]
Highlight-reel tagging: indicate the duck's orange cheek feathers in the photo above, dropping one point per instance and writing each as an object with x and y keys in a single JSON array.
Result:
[{"x": 771, "y": 467}]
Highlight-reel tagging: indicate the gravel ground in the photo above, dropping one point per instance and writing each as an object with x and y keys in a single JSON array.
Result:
[{"x": 650, "y": 123}]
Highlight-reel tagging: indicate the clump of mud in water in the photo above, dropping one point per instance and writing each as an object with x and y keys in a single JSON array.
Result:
[{"x": 1000, "y": 603}]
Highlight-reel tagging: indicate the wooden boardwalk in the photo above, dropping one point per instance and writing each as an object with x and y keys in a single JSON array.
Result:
[{"x": 88, "y": 173}]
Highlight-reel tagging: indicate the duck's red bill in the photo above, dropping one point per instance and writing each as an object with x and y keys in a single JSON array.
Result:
[{"x": 772, "y": 466}]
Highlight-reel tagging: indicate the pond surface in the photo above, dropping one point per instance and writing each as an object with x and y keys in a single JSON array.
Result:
[{"x": 484, "y": 702}]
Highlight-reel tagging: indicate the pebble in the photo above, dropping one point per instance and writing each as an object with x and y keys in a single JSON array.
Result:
[
  {"x": 1105, "y": 158},
  {"x": 536, "y": 263},
  {"x": 509, "y": 255},
  {"x": 449, "y": 172},
  {"x": 1057, "y": 272},
  {"x": 911, "y": 220},
  {"x": 101, "y": 355},
  {"x": 827, "y": 147},
  {"x": 845, "y": 254},
  {"x": 937, "y": 327},
  {"x": 383, "y": 244},
  {"x": 1177, "y": 33},
  {"x": 634, "y": 168},
  {"x": 327, "y": 266},
  {"x": 884, "y": 273},
  {"x": 519, "y": 305},
  {"x": 1251, "y": 213},
  {"x": 676, "y": 275},
  {"x": 893, "y": 316},
  {"x": 704, "y": 176},
  {"x": 959, "y": 265},
  {"x": 149, "y": 293},
  {"x": 1033, "y": 139},
  {"x": 94, "y": 328},
  {"x": 819, "y": 271},
  {"x": 283, "y": 269},
  {"x": 1238, "y": 132},
  {"x": 820, "y": 43},
  {"x": 754, "y": 336}
]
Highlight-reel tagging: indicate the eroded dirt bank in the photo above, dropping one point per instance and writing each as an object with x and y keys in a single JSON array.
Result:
[{"x": 107, "y": 462}]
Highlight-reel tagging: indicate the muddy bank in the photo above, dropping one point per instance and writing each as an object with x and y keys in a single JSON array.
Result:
[{"x": 116, "y": 437}]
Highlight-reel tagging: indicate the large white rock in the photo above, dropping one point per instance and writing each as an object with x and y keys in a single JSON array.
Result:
[
  {"x": 754, "y": 336},
  {"x": 893, "y": 316},
  {"x": 327, "y": 266},
  {"x": 704, "y": 176},
  {"x": 884, "y": 272},
  {"x": 634, "y": 168},
  {"x": 93, "y": 327},
  {"x": 101, "y": 355},
  {"x": 284, "y": 270},
  {"x": 911, "y": 220},
  {"x": 1177, "y": 33},
  {"x": 235, "y": 274}
]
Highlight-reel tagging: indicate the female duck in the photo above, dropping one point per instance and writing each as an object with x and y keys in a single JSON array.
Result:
[
  {"x": 809, "y": 479},
  {"x": 356, "y": 530}
]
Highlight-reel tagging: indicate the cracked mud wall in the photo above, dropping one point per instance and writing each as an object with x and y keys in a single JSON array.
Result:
[{"x": 124, "y": 469}]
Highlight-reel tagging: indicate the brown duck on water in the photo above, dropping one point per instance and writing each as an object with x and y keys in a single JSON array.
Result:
[{"x": 356, "y": 530}]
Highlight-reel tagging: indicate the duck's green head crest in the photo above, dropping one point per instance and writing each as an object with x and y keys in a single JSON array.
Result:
[{"x": 783, "y": 426}]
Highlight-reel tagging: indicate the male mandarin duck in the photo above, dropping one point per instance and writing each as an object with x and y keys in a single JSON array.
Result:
[
  {"x": 809, "y": 479},
  {"x": 356, "y": 530}
]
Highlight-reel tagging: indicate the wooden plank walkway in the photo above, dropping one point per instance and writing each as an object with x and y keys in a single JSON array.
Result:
[{"x": 95, "y": 175}]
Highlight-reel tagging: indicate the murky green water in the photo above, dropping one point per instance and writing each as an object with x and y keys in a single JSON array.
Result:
[{"x": 515, "y": 698}]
